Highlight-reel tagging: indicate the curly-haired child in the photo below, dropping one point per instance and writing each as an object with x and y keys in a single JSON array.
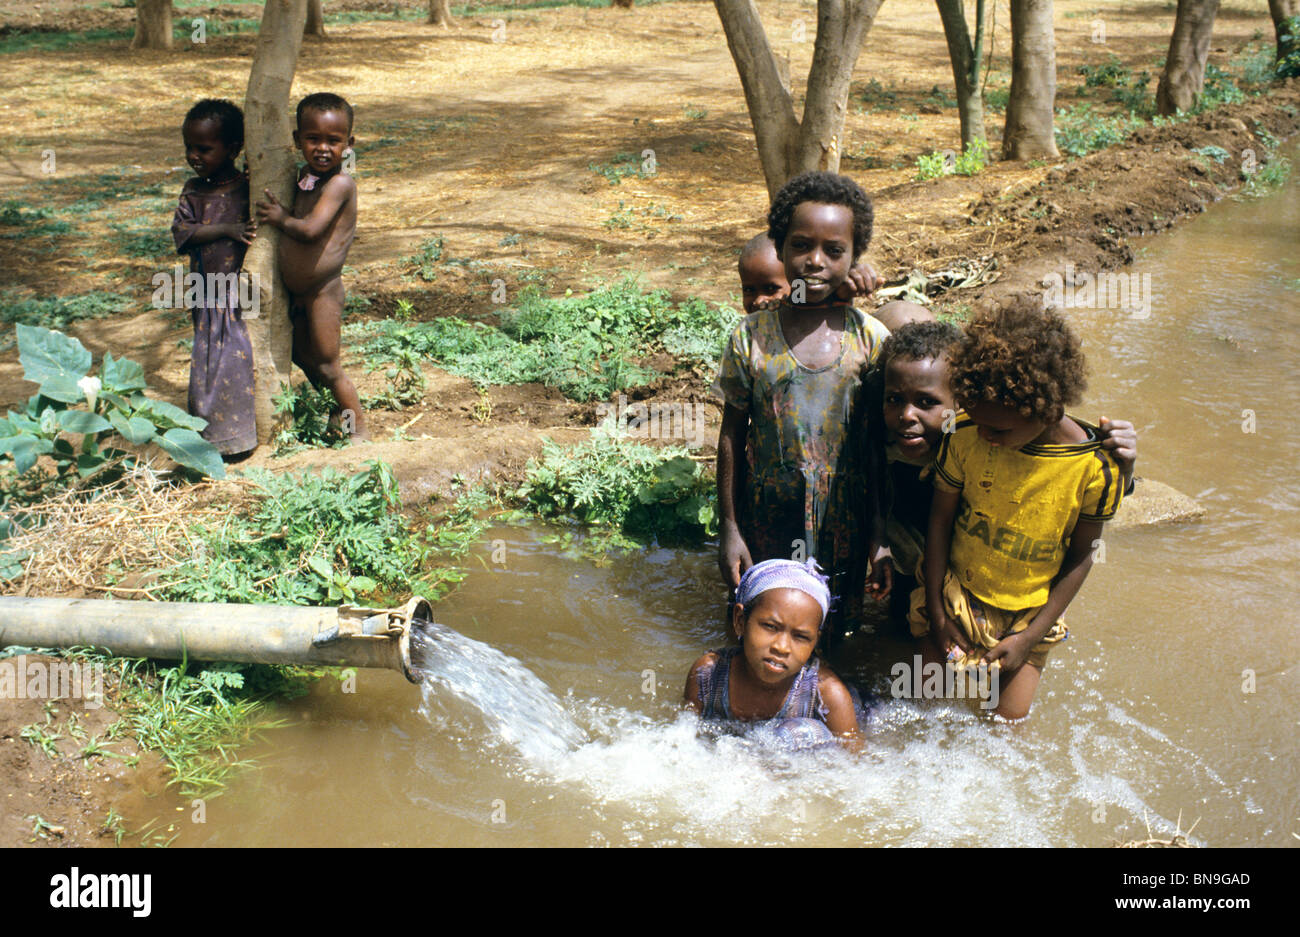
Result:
[
  {"x": 1022, "y": 490},
  {"x": 792, "y": 380}
]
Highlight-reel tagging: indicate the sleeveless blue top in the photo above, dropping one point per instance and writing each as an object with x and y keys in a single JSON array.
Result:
[{"x": 802, "y": 702}]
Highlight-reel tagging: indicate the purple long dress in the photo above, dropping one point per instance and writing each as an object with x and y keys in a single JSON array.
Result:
[{"x": 221, "y": 365}]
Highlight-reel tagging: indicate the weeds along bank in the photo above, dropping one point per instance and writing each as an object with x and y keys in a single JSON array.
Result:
[{"x": 86, "y": 513}]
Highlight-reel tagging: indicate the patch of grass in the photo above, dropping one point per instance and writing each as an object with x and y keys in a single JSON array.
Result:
[
  {"x": 1268, "y": 178},
  {"x": 620, "y": 167},
  {"x": 145, "y": 241},
  {"x": 426, "y": 256},
  {"x": 588, "y": 346},
  {"x": 640, "y": 491},
  {"x": 312, "y": 539},
  {"x": 877, "y": 97},
  {"x": 1079, "y": 131},
  {"x": 56, "y": 312},
  {"x": 30, "y": 222},
  {"x": 309, "y": 412},
  {"x": 694, "y": 112}
]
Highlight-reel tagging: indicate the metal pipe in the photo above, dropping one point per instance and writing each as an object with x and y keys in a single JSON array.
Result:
[{"x": 257, "y": 634}]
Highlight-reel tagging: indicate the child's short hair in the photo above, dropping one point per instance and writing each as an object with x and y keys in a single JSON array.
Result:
[
  {"x": 225, "y": 114},
  {"x": 322, "y": 102},
  {"x": 1021, "y": 356},
  {"x": 917, "y": 341},
  {"x": 828, "y": 189}
]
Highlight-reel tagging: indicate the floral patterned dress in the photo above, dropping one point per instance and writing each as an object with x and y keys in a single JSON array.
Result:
[
  {"x": 810, "y": 487},
  {"x": 221, "y": 364}
]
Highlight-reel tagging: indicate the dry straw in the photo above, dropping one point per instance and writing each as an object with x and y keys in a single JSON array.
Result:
[{"x": 127, "y": 531}]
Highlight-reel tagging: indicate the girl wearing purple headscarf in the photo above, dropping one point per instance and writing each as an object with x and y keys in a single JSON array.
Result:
[{"x": 775, "y": 674}]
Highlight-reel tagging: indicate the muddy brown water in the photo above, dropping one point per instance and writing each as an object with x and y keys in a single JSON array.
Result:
[{"x": 554, "y": 718}]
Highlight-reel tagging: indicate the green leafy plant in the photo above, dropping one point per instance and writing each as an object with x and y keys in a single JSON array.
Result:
[
  {"x": 309, "y": 540},
  {"x": 640, "y": 490},
  {"x": 1079, "y": 131},
  {"x": 405, "y": 385},
  {"x": 619, "y": 168},
  {"x": 308, "y": 425},
  {"x": 426, "y": 255},
  {"x": 70, "y": 403},
  {"x": 974, "y": 158},
  {"x": 588, "y": 346},
  {"x": 931, "y": 166}
]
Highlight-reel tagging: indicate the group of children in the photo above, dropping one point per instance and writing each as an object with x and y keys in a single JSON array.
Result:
[
  {"x": 930, "y": 465},
  {"x": 214, "y": 226},
  {"x": 912, "y": 460}
]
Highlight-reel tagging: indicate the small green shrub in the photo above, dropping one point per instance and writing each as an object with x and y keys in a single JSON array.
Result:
[{"x": 637, "y": 489}]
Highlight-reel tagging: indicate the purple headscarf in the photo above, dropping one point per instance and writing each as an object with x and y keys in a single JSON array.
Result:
[{"x": 785, "y": 574}]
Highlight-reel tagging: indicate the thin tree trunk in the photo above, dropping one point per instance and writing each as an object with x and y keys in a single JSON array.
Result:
[
  {"x": 786, "y": 145},
  {"x": 771, "y": 106},
  {"x": 841, "y": 27},
  {"x": 966, "y": 57},
  {"x": 1281, "y": 11},
  {"x": 315, "y": 25},
  {"x": 153, "y": 25},
  {"x": 1029, "y": 126},
  {"x": 267, "y": 135},
  {"x": 1189, "y": 48},
  {"x": 440, "y": 13}
]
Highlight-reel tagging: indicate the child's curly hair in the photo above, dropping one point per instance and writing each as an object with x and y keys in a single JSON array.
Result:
[
  {"x": 1021, "y": 356},
  {"x": 225, "y": 114},
  {"x": 825, "y": 188},
  {"x": 917, "y": 341},
  {"x": 323, "y": 102}
]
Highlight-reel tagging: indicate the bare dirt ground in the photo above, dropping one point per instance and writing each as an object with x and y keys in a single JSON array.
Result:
[{"x": 491, "y": 145}]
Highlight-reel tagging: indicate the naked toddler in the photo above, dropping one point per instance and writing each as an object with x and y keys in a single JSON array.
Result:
[{"x": 318, "y": 233}]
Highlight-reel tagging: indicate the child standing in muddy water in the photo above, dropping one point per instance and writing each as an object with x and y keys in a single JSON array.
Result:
[
  {"x": 917, "y": 404},
  {"x": 1022, "y": 490},
  {"x": 792, "y": 377},
  {"x": 211, "y": 225},
  {"x": 318, "y": 234}
]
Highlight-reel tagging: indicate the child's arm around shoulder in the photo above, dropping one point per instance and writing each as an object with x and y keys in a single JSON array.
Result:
[
  {"x": 692, "y": 695},
  {"x": 339, "y": 190},
  {"x": 841, "y": 718}
]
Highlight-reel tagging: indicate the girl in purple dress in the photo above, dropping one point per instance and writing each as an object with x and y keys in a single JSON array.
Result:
[{"x": 212, "y": 226}]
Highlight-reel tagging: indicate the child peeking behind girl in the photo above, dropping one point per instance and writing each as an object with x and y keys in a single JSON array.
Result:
[
  {"x": 212, "y": 226},
  {"x": 775, "y": 674},
  {"x": 794, "y": 477}
]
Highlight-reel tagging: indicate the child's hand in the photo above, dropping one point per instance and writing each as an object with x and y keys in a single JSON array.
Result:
[
  {"x": 1120, "y": 438},
  {"x": 733, "y": 554},
  {"x": 243, "y": 231},
  {"x": 861, "y": 281},
  {"x": 945, "y": 633},
  {"x": 1011, "y": 652},
  {"x": 271, "y": 211},
  {"x": 881, "y": 581}
]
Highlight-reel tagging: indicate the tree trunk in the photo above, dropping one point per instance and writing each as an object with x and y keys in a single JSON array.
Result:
[
  {"x": 966, "y": 57},
  {"x": 1287, "y": 40},
  {"x": 1029, "y": 128},
  {"x": 153, "y": 25},
  {"x": 440, "y": 13},
  {"x": 315, "y": 20},
  {"x": 1189, "y": 47},
  {"x": 786, "y": 145},
  {"x": 267, "y": 135}
]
